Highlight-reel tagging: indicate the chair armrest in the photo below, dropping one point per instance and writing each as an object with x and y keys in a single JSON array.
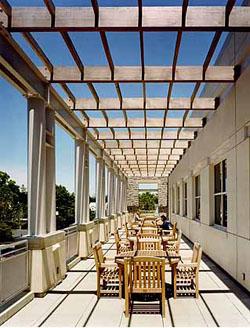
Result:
[
  {"x": 108, "y": 258},
  {"x": 187, "y": 265},
  {"x": 108, "y": 265},
  {"x": 169, "y": 231}
]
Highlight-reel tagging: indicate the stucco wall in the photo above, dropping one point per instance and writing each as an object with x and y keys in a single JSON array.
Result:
[{"x": 226, "y": 136}]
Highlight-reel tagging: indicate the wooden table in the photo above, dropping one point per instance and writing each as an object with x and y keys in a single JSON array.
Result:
[{"x": 172, "y": 257}]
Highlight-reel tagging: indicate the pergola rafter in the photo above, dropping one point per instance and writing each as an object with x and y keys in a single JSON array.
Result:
[{"x": 139, "y": 145}]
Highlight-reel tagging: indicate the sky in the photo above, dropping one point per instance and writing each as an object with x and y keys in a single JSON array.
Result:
[{"x": 124, "y": 47}]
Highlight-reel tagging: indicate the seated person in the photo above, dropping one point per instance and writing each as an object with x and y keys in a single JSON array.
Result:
[{"x": 166, "y": 223}]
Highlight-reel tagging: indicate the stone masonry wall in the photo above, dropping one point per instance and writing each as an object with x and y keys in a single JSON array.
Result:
[{"x": 133, "y": 190}]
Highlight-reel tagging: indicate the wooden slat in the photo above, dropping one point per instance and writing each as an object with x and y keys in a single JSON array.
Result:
[
  {"x": 38, "y": 50},
  {"x": 167, "y": 18},
  {"x": 102, "y": 74},
  {"x": 52, "y": 10}
]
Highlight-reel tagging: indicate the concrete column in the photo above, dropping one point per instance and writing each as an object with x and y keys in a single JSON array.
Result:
[
  {"x": 118, "y": 194},
  {"x": 86, "y": 185},
  {"x": 79, "y": 181},
  {"x": 111, "y": 192},
  {"x": 46, "y": 246},
  {"x": 36, "y": 166},
  {"x": 50, "y": 172},
  {"x": 100, "y": 204}
]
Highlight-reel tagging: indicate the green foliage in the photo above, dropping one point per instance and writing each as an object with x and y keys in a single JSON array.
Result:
[
  {"x": 65, "y": 207},
  {"x": 5, "y": 232},
  {"x": 13, "y": 206},
  {"x": 147, "y": 201}
]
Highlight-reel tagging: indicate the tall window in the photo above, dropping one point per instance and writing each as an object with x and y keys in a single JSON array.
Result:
[
  {"x": 178, "y": 200},
  {"x": 185, "y": 199},
  {"x": 220, "y": 193},
  {"x": 173, "y": 200},
  {"x": 197, "y": 193}
]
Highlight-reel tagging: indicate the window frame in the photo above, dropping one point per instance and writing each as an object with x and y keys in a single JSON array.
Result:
[
  {"x": 222, "y": 194},
  {"x": 185, "y": 198},
  {"x": 178, "y": 199},
  {"x": 197, "y": 198}
]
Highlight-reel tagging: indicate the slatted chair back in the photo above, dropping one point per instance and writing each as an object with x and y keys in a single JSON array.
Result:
[
  {"x": 149, "y": 223},
  {"x": 117, "y": 240},
  {"x": 149, "y": 230},
  {"x": 126, "y": 230},
  {"x": 144, "y": 275},
  {"x": 174, "y": 228},
  {"x": 98, "y": 255},
  {"x": 174, "y": 246},
  {"x": 148, "y": 244},
  {"x": 197, "y": 253}
]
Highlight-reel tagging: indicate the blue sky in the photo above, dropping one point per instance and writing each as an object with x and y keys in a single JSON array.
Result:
[{"x": 159, "y": 48}]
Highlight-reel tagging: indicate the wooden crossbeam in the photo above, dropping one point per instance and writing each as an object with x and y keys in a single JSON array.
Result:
[
  {"x": 167, "y": 18},
  {"x": 128, "y": 104},
  {"x": 123, "y": 136},
  {"x": 133, "y": 74},
  {"x": 38, "y": 50},
  {"x": 52, "y": 10},
  {"x": 150, "y": 123}
]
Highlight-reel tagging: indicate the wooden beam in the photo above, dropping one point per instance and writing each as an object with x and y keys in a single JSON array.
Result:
[
  {"x": 128, "y": 104},
  {"x": 139, "y": 123},
  {"x": 133, "y": 74},
  {"x": 123, "y": 136},
  {"x": 52, "y": 10},
  {"x": 38, "y": 50},
  {"x": 6, "y": 8},
  {"x": 164, "y": 18}
]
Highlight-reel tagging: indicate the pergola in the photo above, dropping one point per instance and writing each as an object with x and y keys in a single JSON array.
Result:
[{"x": 140, "y": 146}]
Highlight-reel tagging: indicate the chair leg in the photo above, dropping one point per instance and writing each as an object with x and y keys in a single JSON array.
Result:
[
  {"x": 196, "y": 287},
  {"x": 174, "y": 279},
  {"x": 98, "y": 285},
  {"x": 126, "y": 305},
  {"x": 120, "y": 282},
  {"x": 163, "y": 306}
]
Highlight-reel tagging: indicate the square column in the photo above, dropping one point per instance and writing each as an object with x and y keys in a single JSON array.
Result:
[
  {"x": 100, "y": 204},
  {"x": 86, "y": 185},
  {"x": 79, "y": 181},
  {"x": 41, "y": 168},
  {"x": 46, "y": 245}
]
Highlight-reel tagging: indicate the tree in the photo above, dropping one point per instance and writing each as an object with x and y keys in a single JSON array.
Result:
[
  {"x": 65, "y": 207},
  {"x": 147, "y": 201},
  {"x": 13, "y": 206}
]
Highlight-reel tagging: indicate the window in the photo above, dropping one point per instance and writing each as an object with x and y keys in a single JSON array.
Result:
[
  {"x": 178, "y": 200},
  {"x": 173, "y": 200},
  {"x": 185, "y": 199},
  {"x": 197, "y": 193},
  {"x": 220, "y": 193}
]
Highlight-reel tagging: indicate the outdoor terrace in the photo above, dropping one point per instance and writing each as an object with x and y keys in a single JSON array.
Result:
[{"x": 222, "y": 302}]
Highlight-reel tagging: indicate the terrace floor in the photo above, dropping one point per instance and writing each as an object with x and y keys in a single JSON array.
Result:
[{"x": 74, "y": 303}]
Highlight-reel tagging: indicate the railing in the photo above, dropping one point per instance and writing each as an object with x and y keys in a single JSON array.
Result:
[
  {"x": 14, "y": 277},
  {"x": 71, "y": 242}
]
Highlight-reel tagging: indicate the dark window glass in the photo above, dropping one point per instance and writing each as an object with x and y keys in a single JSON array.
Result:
[
  {"x": 197, "y": 197},
  {"x": 220, "y": 195},
  {"x": 185, "y": 200}
]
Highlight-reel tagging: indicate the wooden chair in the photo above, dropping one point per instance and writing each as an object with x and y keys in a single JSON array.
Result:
[
  {"x": 149, "y": 223},
  {"x": 129, "y": 232},
  {"x": 148, "y": 230},
  {"x": 109, "y": 274},
  {"x": 122, "y": 245},
  {"x": 144, "y": 275},
  {"x": 173, "y": 245},
  {"x": 170, "y": 234},
  {"x": 148, "y": 244},
  {"x": 186, "y": 277}
]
